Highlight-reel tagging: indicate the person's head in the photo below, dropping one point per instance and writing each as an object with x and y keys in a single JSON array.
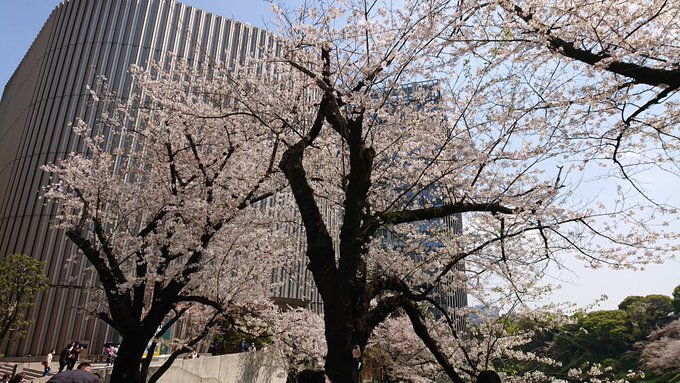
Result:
[
  {"x": 5, "y": 377},
  {"x": 52, "y": 351},
  {"x": 311, "y": 376},
  {"x": 488, "y": 376},
  {"x": 18, "y": 378},
  {"x": 85, "y": 366}
]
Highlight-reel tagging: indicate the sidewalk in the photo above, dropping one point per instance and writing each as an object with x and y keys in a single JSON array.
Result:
[{"x": 33, "y": 371}]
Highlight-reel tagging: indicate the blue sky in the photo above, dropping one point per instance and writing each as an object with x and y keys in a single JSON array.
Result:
[{"x": 21, "y": 20}]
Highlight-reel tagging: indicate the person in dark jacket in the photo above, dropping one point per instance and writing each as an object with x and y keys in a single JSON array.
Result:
[
  {"x": 82, "y": 375},
  {"x": 74, "y": 356},
  {"x": 63, "y": 356},
  {"x": 311, "y": 376},
  {"x": 488, "y": 377}
]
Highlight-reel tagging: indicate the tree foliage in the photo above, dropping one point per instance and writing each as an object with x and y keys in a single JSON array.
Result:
[
  {"x": 662, "y": 351},
  {"x": 159, "y": 205},
  {"x": 522, "y": 100},
  {"x": 609, "y": 338},
  {"x": 647, "y": 313},
  {"x": 597, "y": 335},
  {"x": 21, "y": 278}
]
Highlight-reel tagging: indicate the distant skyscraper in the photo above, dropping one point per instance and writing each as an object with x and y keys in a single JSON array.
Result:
[{"x": 447, "y": 294}]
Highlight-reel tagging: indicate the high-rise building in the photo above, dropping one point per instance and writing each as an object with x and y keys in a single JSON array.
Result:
[{"x": 81, "y": 40}]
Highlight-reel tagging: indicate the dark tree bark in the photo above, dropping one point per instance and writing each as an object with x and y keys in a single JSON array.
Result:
[
  {"x": 344, "y": 285},
  {"x": 138, "y": 329},
  {"x": 669, "y": 78},
  {"x": 128, "y": 362}
]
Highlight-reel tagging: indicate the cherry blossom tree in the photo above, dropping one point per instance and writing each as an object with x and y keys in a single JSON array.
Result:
[
  {"x": 503, "y": 139},
  {"x": 389, "y": 126},
  {"x": 404, "y": 357},
  {"x": 297, "y": 337},
  {"x": 626, "y": 55},
  {"x": 662, "y": 350},
  {"x": 159, "y": 204},
  {"x": 492, "y": 342}
]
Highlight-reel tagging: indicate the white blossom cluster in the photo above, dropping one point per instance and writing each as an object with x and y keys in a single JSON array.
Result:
[{"x": 392, "y": 120}]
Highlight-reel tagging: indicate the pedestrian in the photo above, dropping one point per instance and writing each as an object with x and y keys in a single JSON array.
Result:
[
  {"x": 108, "y": 351},
  {"x": 73, "y": 356},
  {"x": 47, "y": 361},
  {"x": 5, "y": 378},
  {"x": 313, "y": 376},
  {"x": 83, "y": 374},
  {"x": 488, "y": 376},
  {"x": 63, "y": 356},
  {"x": 356, "y": 359},
  {"x": 115, "y": 353},
  {"x": 212, "y": 350},
  {"x": 243, "y": 346}
]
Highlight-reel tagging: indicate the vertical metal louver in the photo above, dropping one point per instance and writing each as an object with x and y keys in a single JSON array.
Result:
[{"x": 81, "y": 40}]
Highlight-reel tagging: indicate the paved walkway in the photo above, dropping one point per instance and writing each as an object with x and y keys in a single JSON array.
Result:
[{"x": 33, "y": 371}]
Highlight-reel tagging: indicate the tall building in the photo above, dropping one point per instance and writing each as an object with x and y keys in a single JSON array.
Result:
[
  {"x": 447, "y": 294},
  {"x": 81, "y": 40}
]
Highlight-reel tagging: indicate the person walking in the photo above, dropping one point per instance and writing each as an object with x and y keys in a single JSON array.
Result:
[
  {"x": 63, "y": 356},
  {"x": 115, "y": 353},
  {"x": 108, "y": 351},
  {"x": 356, "y": 358},
  {"x": 73, "y": 356},
  {"x": 47, "y": 361}
]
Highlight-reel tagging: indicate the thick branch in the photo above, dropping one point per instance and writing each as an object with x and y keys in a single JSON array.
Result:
[
  {"x": 166, "y": 365},
  {"x": 202, "y": 300},
  {"x": 104, "y": 317},
  {"x": 390, "y": 304},
  {"x": 421, "y": 330},
  {"x": 442, "y": 211},
  {"x": 120, "y": 304},
  {"x": 641, "y": 74},
  {"x": 319, "y": 243},
  {"x": 153, "y": 224}
]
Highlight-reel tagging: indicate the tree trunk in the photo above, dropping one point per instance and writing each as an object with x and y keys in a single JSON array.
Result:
[
  {"x": 127, "y": 367},
  {"x": 343, "y": 332}
]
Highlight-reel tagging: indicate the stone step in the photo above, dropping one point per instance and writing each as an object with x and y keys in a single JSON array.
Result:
[
  {"x": 29, "y": 373},
  {"x": 6, "y": 368}
]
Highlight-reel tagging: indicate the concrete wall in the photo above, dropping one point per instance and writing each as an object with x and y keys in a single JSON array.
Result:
[{"x": 247, "y": 367}]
